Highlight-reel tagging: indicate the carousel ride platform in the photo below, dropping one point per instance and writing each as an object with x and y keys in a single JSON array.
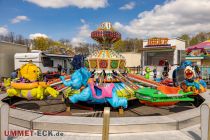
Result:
[
  {"x": 55, "y": 106},
  {"x": 180, "y": 120}
]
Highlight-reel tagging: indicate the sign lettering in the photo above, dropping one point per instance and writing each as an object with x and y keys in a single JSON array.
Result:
[{"x": 157, "y": 41}]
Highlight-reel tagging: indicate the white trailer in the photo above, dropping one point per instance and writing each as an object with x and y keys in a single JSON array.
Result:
[{"x": 46, "y": 62}]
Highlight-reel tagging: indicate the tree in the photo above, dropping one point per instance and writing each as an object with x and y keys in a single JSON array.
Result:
[
  {"x": 137, "y": 44},
  {"x": 65, "y": 42},
  {"x": 83, "y": 49},
  {"x": 199, "y": 38},
  {"x": 186, "y": 38},
  {"x": 19, "y": 39},
  {"x": 119, "y": 46},
  {"x": 93, "y": 47},
  {"x": 194, "y": 41},
  {"x": 11, "y": 37},
  {"x": 202, "y": 37},
  {"x": 128, "y": 45},
  {"x": 41, "y": 43}
]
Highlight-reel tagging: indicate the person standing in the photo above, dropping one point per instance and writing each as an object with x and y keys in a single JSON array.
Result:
[
  {"x": 155, "y": 73},
  {"x": 14, "y": 74},
  {"x": 166, "y": 66},
  {"x": 166, "y": 69},
  {"x": 59, "y": 68}
]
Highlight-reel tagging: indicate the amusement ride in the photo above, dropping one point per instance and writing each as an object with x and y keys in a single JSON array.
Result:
[{"x": 104, "y": 80}]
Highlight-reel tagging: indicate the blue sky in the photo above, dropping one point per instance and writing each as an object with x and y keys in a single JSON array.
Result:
[
  {"x": 75, "y": 19},
  {"x": 65, "y": 22}
]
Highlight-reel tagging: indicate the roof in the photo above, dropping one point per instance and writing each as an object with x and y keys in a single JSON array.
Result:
[
  {"x": 156, "y": 48},
  {"x": 202, "y": 45},
  {"x": 34, "y": 55},
  {"x": 57, "y": 55},
  {"x": 26, "y": 55}
]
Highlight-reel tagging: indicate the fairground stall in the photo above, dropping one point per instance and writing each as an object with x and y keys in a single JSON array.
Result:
[
  {"x": 156, "y": 50},
  {"x": 200, "y": 54}
]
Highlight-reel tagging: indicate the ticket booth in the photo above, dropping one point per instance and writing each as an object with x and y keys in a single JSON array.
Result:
[
  {"x": 156, "y": 50},
  {"x": 200, "y": 54}
]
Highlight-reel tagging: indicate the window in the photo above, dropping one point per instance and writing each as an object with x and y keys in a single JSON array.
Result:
[
  {"x": 181, "y": 56},
  {"x": 47, "y": 62},
  {"x": 154, "y": 58}
]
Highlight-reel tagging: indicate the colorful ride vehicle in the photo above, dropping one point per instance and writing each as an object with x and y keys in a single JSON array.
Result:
[
  {"x": 34, "y": 93},
  {"x": 154, "y": 97},
  {"x": 187, "y": 76},
  {"x": 193, "y": 83},
  {"x": 92, "y": 93},
  {"x": 30, "y": 72},
  {"x": 178, "y": 73},
  {"x": 5, "y": 84},
  {"x": 28, "y": 84}
]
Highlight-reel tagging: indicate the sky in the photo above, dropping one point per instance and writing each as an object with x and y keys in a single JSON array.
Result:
[{"x": 75, "y": 19}]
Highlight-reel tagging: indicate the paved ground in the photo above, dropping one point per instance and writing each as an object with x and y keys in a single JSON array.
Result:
[{"x": 190, "y": 133}]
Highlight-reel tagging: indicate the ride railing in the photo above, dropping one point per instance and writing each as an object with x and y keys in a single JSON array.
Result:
[
  {"x": 4, "y": 120},
  {"x": 106, "y": 121},
  {"x": 205, "y": 72},
  {"x": 136, "y": 70},
  {"x": 205, "y": 121}
]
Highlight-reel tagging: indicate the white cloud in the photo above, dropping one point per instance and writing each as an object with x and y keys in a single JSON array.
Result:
[
  {"x": 128, "y": 6},
  {"x": 4, "y": 31},
  {"x": 172, "y": 19},
  {"x": 33, "y": 36},
  {"x": 94, "y": 4},
  {"x": 83, "y": 34},
  {"x": 82, "y": 20},
  {"x": 18, "y": 19}
]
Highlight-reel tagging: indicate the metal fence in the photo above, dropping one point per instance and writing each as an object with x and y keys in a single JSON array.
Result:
[
  {"x": 136, "y": 70},
  {"x": 4, "y": 120},
  {"x": 205, "y": 72}
]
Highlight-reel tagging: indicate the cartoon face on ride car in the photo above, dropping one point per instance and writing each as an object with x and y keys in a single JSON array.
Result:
[
  {"x": 189, "y": 73},
  {"x": 30, "y": 72},
  {"x": 147, "y": 70}
]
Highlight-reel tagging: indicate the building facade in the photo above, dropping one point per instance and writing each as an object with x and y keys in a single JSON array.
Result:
[
  {"x": 132, "y": 59},
  {"x": 156, "y": 50},
  {"x": 7, "y": 52}
]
